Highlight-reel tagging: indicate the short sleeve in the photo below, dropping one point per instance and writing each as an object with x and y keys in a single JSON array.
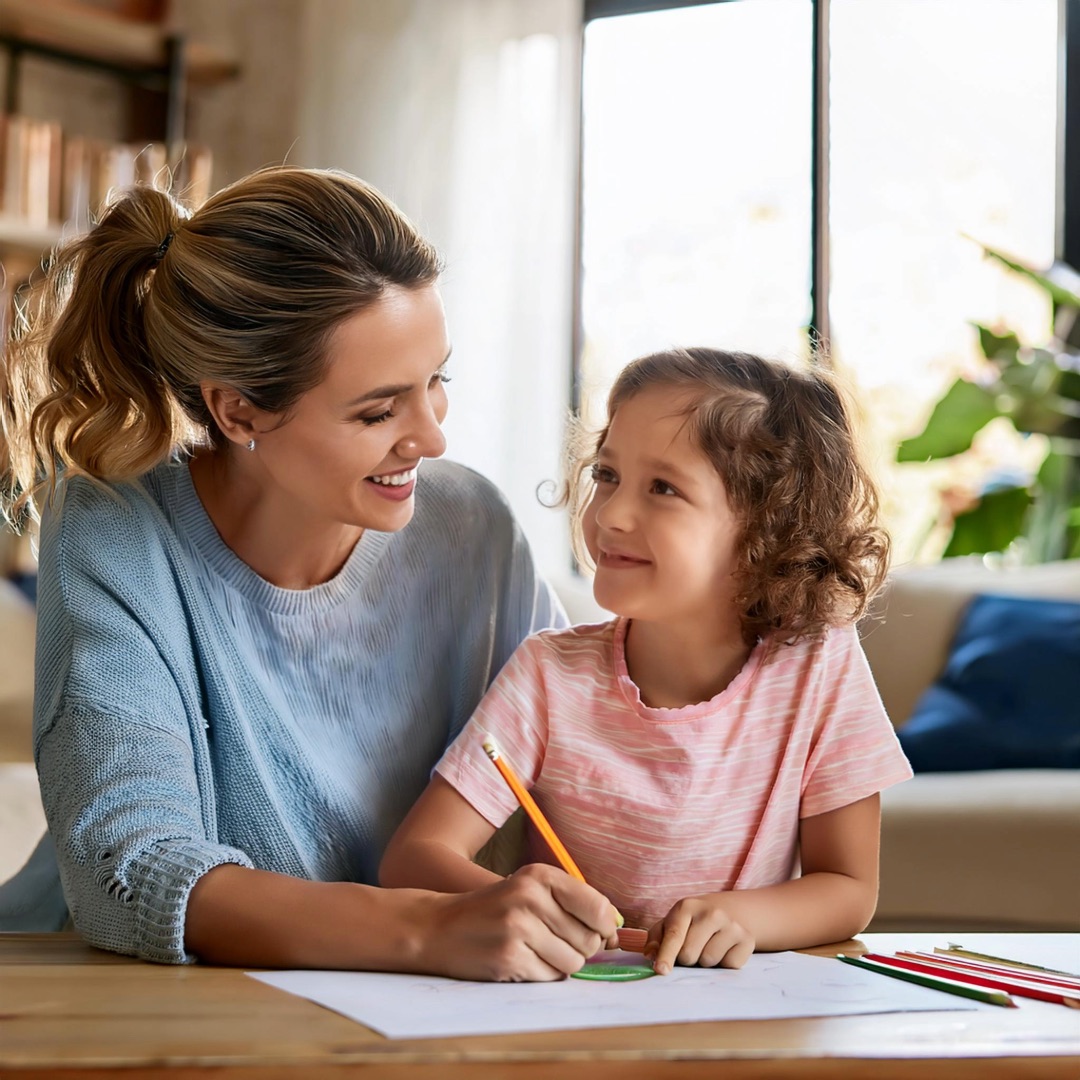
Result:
[
  {"x": 514, "y": 712},
  {"x": 854, "y": 752}
]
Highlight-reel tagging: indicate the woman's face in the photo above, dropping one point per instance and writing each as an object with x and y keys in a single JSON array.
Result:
[{"x": 348, "y": 451}]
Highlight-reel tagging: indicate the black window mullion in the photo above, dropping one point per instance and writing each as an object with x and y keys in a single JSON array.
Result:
[
  {"x": 1068, "y": 201},
  {"x": 819, "y": 180}
]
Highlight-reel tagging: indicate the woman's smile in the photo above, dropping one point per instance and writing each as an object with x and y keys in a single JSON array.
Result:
[{"x": 396, "y": 486}]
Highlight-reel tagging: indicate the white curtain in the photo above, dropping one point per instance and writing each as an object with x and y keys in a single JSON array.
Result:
[{"x": 465, "y": 113}]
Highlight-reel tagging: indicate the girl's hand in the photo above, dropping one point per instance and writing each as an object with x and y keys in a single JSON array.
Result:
[
  {"x": 537, "y": 925},
  {"x": 697, "y": 931}
]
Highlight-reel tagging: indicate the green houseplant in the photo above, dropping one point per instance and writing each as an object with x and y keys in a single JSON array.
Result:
[{"x": 1038, "y": 390}]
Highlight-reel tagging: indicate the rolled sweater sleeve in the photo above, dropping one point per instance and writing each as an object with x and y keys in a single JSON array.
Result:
[{"x": 116, "y": 741}]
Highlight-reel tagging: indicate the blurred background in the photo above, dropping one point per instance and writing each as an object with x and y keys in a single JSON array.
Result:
[{"x": 609, "y": 177}]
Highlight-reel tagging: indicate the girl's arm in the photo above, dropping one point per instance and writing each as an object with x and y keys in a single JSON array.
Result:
[
  {"x": 434, "y": 846},
  {"x": 833, "y": 900}
]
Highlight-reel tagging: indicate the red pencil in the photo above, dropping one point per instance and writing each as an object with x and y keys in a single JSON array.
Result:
[
  {"x": 945, "y": 971},
  {"x": 996, "y": 969}
]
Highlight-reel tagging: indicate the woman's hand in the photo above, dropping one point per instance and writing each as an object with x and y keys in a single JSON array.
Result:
[
  {"x": 537, "y": 925},
  {"x": 698, "y": 931}
]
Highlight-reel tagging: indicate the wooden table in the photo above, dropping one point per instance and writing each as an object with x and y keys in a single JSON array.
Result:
[{"x": 68, "y": 1011}]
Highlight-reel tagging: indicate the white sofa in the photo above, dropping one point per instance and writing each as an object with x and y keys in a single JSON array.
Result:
[{"x": 969, "y": 850}]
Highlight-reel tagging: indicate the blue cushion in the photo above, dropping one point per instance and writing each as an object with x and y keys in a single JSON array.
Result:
[{"x": 1009, "y": 697}]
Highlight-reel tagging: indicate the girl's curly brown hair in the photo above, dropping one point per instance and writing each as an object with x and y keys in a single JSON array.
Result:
[{"x": 812, "y": 554}]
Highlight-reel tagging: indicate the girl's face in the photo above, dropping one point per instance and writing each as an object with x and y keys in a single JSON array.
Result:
[
  {"x": 659, "y": 526},
  {"x": 348, "y": 451}
]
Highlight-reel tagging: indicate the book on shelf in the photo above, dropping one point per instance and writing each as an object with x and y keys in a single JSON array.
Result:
[
  {"x": 47, "y": 179},
  {"x": 30, "y": 151}
]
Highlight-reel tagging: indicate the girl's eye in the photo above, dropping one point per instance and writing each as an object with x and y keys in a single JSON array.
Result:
[
  {"x": 381, "y": 418},
  {"x": 601, "y": 474},
  {"x": 662, "y": 487},
  {"x": 440, "y": 377}
]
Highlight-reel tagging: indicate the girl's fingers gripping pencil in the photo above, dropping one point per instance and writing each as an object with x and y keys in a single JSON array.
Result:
[{"x": 528, "y": 804}]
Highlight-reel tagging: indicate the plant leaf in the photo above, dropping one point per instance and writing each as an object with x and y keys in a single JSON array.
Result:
[
  {"x": 1051, "y": 527},
  {"x": 997, "y": 346},
  {"x": 1056, "y": 292},
  {"x": 964, "y": 410},
  {"x": 992, "y": 525}
]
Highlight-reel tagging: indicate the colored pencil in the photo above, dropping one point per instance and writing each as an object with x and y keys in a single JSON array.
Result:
[
  {"x": 536, "y": 816},
  {"x": 944, "y": 971},
  {"x": 998, "y": 970},
  {"x": 991, "y": 997},
  {"x": 959, "y": 950}
]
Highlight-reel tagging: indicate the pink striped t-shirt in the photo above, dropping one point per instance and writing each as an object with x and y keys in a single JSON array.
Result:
[{"x": 659, "y": 804}]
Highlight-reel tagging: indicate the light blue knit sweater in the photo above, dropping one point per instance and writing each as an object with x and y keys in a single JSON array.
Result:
[{"x": 189, "y": 714}]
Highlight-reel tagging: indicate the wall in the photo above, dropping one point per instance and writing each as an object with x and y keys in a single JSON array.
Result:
[
  {"x": 253, "y": 120},
  {"x": 465, "y": 112}
]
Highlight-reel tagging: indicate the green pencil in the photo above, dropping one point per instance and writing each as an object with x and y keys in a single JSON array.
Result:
[{"x": 991, "y": 997}]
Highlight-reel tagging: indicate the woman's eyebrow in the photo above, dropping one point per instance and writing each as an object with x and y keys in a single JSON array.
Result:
[
  {"x": 381, "y": 392},
  {"x": 393, "y": 390}
]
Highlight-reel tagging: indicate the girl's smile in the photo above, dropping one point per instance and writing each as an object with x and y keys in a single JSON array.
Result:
[{"x": 618, "y": 560}]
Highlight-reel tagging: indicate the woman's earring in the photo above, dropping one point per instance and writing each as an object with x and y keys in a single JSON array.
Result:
[{"x": 251, "y": 444}]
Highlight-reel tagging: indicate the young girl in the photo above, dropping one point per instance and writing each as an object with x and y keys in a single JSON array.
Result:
[{"x": 711, "y": 758}]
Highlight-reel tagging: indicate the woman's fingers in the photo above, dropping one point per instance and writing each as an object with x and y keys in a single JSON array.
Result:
[
  {"x": 579, "y": 909},
  {"x": 537, "y": 925}
]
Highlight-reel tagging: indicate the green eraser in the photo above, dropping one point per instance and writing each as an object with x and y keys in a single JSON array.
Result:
[{"x": 614, "y": 972}]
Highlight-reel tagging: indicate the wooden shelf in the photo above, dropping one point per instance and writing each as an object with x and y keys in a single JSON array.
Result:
[
  {"x": 21, "y": 237},
  {"x": 72, "y": 31}
]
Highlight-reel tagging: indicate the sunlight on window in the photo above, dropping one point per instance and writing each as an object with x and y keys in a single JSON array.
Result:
[
  {"x": 696, "y": 183},
  {"x": 943, "y": 127},
  {"x": 696, "y": 201}
]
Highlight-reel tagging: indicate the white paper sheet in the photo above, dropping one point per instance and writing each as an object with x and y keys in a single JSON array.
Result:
[{"x": 770, "y": 986}]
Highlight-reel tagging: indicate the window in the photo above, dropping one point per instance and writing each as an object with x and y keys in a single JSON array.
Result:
[
  {"x": 695, "y": 214},
  {"x": 697, "y": 196}
]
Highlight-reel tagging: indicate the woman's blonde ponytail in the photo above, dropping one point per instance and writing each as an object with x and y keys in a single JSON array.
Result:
[
  {"x": 104, "y": 376},
  {"x": 83, "y": 393}
]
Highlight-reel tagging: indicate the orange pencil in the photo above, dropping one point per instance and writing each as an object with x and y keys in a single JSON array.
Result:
[{"x": 536, "y": 816}]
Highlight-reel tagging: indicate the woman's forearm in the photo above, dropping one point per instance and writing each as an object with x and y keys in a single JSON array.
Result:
[
  {"x": 253, "y": 918},
  {"x": 810, "y": 910},
  {"x": 538, "y": 924}
]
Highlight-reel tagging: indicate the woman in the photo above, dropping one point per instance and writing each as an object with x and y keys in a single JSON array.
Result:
[{"x": 247, "y": 663}]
